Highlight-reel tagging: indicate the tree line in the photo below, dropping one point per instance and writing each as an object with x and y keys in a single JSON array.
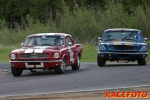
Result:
[{"x": 18, "y": 11}]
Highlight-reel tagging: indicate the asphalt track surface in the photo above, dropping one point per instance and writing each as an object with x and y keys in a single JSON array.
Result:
[{"x": 88, "y": 77}]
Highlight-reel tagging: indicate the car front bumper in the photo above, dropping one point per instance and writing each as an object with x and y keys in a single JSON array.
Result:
[
  {"x": 122, "y": 55},
  {"x": 36, "y": 64}
]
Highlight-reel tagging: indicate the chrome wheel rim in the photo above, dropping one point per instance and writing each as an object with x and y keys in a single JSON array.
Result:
[
  {"x": 78, "y": 61},
  {"x": 63, "y": 66}
]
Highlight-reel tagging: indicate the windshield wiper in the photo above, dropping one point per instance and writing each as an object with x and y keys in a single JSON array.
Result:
[
  {"x": 28, "y": 46},
  {"x": 131, "y": 39}
]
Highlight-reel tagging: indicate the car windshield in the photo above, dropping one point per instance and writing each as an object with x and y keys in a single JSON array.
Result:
[
  {"x": 122, "y": 35},
  {"x": 44, "y": 41}
]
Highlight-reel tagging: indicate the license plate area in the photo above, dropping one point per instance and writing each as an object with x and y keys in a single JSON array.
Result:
[
  {"x": 123, "y": 55},
  {"x": 122, "y": 61},
  {"x": 34, "y": 63}
]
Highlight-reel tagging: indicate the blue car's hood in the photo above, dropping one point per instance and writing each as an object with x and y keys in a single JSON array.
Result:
[{"x": 119, "y": 42}]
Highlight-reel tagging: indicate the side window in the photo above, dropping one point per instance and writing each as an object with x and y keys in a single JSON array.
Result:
[{"x": 68, "y": 41}]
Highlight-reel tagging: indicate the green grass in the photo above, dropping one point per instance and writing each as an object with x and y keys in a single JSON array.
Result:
[
  {"x": 89, "y": 53},
  {"x": 85, "y": 25},
  {"x": 4, "y": 52}
]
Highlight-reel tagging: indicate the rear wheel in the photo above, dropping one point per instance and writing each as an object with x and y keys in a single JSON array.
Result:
[
  {"x": 101, "y": 62},
  {"x": 142, "y": 61},
  {"x": 16, "y": 71},
  {"x": 76, "y": 66},
  {"x": 61, "y": 69}
]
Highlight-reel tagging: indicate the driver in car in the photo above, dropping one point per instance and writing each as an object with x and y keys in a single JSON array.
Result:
[{"x": 57, "y": 41}]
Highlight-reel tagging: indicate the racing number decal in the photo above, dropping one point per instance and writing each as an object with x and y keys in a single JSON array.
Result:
[{"x": 71, "y": 54}]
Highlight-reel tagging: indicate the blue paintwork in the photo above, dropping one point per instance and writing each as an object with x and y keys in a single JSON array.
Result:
[{"x": 123, "y": 50}]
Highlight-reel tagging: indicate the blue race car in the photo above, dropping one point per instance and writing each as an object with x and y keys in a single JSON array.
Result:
[{"x": 122, "y": 45}]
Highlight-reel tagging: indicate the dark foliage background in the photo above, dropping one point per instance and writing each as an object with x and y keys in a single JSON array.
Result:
[{"x": 84, "y": 19}]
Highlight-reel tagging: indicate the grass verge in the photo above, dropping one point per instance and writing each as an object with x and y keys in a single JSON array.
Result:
[
  {"x": 4, "y": 52},
  {"x": 89, "y": 53}
]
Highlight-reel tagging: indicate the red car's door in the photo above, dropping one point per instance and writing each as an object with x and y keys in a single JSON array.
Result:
[{"x": 70, "y": 51}]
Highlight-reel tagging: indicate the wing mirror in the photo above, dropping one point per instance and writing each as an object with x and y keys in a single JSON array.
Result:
[
  {"x": 69, "y": 44},
  {"x": 99, "y": 38},
  {"x": 145, "y": 39},
  {"x": 21, "y": 44}
]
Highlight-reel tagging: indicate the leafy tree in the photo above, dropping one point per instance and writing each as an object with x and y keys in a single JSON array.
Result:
[
  {"x": 130, "y": 5},
  {"x": 14, "y": 11}
]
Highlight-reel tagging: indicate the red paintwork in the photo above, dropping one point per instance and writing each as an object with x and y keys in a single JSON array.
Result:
[{"x": 62, "y": 50}]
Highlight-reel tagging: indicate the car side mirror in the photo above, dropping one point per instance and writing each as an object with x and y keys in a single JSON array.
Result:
[
  {"x": 99, "y": 38},
  {"x": 145, "y": 39},
  {"x": 69, "y": 44},
  {"x": 21, "y": 44}
]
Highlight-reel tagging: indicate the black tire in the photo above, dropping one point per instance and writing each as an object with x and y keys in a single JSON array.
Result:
[
  {"x": 16, "y": 71},
  {"x": 142, "y": 61},
  {"x": 61, "y": 69},
  {"x": 76, "y": 66},
  {"x": 101, "y": 62}
]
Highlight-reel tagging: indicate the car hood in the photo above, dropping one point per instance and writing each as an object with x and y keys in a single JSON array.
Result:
[
  {"x": 37, "y": 49},
  {"x": 119, "y": 42}
]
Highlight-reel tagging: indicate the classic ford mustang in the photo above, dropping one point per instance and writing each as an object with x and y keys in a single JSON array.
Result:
[
  {"x": 46, "y": 51},
  {"x": 122, "y": 45}
]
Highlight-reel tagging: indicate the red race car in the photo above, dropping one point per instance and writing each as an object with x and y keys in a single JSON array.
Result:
[{"x": 46, "y": 51}]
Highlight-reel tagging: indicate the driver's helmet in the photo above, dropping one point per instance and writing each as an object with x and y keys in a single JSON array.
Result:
[{"x": 57, "y": 41}]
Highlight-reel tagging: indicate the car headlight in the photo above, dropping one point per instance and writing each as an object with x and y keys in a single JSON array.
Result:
[
  {"x": 12, "y": 56},
  {"x": 102, "y": 47},
  {"x": 56, "y": 55},
  {"x": 143, "y": 48}
]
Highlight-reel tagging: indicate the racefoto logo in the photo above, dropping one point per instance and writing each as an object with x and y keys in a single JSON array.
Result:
[{"x": 126, "y": 94}]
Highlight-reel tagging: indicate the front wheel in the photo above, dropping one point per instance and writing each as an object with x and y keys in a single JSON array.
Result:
[
  {"x": 76, "y": 66},
  {"x": 16, "y": 71},
  {"x": 101, "y": 62},
  {"x": 142, "y": 61},
  {"x": 61, "y": 69}
]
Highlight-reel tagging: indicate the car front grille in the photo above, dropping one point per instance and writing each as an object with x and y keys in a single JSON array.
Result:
[
  {"x": 122, "y": 48},
  {"x": 33, "y": 56}
]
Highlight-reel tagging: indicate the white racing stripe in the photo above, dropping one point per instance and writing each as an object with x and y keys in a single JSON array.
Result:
[
  {"x": 39, "y": 47},
  {"x": 38, "y": 50},
  {"x": 29, "y": 51}
]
